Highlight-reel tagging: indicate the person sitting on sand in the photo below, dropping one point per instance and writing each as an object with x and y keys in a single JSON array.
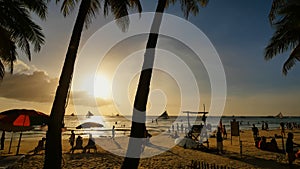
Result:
[
  {"x": 78, "y": 144},
  {"x": 40, "y": 146},
  {"x": 91, "y": 144},
  {"x": 263, "y": 143}
]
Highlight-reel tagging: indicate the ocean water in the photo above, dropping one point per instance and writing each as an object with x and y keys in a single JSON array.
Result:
[{"x": 123, "y": 124}]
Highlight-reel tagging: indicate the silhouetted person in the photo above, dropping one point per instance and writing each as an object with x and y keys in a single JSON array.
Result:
[
  {"x": 40, "y": 146},
  {"x": 91, "y": 144},
  {"x": 255, "y": 132},
  {"x": 72, "y": 139},
  {"x": 289, "y": 148},
  {"x": 224, "y": 132},
  {"x": 282, "y": 129},
  {"x": 219, "y": 141},
  {"x": 263, "y": 143},
  {"x": 113, "y": 132},
  {"x": 2, "y": 140},
  {"x": 78, "y": 144}
]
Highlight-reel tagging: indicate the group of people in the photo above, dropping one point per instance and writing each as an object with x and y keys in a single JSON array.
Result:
[
  {"x": 79, "y": 143},
  {"x": 261, "y": 142}
]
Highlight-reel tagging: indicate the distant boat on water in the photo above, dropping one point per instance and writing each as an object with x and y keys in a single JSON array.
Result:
[
  {"x": 164, "y": 115},
  {"x": 279, "y": 115},
  {"x": 89, "y": 114}
]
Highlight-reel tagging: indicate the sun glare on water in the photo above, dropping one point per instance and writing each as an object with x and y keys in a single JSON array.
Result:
[{"x": 102, "y": 88}]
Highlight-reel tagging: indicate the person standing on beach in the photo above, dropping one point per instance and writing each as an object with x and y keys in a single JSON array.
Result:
[
  {"x": 113, "y": 132},
  {"x": 2, "y": 140},
  {"x": 219, "y": 141},
  {"x": 224, "y": 132},
  {"x": 282, "y": 129},
  {"x": 72, "y": 139},
  {"x": 255, "y": 132},
  {"x": 289, "y": 148},
  {"x": 182, "y": 127}
]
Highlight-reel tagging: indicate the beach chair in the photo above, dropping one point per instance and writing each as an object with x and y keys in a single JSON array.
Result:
[{"x": 199, "y": 134}]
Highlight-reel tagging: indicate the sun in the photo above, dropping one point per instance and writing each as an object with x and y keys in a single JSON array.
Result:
[{"x": 102, "y": 87}]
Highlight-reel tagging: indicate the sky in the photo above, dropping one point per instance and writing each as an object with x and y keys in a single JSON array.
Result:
[{"x": 238, "y": 32}]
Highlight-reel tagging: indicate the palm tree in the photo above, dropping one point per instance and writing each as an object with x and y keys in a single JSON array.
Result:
[
  {"x": 17, "y": 30},
  {"x": 87, "y": 10},
  {"x": 138, "y": 127},
  {"x": 284, "y": 16}
]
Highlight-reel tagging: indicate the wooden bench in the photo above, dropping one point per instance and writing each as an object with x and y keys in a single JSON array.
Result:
[{"x": 84, "y": 149}]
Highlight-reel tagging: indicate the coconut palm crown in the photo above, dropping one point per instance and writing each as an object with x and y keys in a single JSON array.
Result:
[
  {"x": 18, "y": 31},
  {"x": 285, "y": 17}
]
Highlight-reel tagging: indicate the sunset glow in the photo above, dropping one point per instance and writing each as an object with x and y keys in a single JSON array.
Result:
[{"x": 102, "y": 87}]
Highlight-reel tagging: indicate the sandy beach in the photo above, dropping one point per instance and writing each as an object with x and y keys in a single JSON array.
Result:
[{"x": 175, "y": 157}]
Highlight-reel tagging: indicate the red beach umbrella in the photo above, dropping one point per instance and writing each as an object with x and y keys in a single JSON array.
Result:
[
  {"x": 18, "y": 120},
  {"x": 21, "y": 119}
]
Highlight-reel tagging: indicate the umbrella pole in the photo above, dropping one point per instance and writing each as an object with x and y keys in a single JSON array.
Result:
[
  {"x": 12, "y": 135},
  {"x": 18, "y": 147}
]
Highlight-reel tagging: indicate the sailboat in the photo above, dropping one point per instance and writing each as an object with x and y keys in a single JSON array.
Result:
[
  {"x": 89, "y": 114},
  {"x": 164, "y": 115},
  {"x": 279, "y": 115}
]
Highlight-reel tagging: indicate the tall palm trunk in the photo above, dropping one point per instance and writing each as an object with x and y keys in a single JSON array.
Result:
[
  {"x": 53, "y": 154},
  {"x": 140, "y": 103}
]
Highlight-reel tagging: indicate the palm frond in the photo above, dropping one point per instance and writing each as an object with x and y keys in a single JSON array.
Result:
[
  {"x": 39, "y": 7},
  {"x": 291, "y": 61},
  {"x": 284, "y": 16},
  {"x": 276, "y": 6},
  {"x": 67, "y": 6},
  {"x": 92, "y": 12},
  {"x": 8, "y": 52},
  {"x": 136, "y": 4},
  {"x": 22, "y": 27},
  {"x": 189, "y": 6}
]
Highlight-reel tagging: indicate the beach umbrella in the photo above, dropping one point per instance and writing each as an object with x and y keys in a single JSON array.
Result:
[
  {"x": 19, "y": 120},
  {"x": 89, "y": 125},
  {"x": 16, "y": 120}
]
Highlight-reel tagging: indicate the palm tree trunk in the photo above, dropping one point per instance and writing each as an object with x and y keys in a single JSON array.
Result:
[
  {"x": 53, "y": 153},
  {"x": 138, "y": 127}
]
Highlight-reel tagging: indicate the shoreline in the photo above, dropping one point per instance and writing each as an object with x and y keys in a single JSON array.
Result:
[{"x": 108, "y": 153}]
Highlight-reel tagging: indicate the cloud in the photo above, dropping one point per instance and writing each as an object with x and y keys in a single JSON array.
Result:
[{"x": 37, "y": 86}]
